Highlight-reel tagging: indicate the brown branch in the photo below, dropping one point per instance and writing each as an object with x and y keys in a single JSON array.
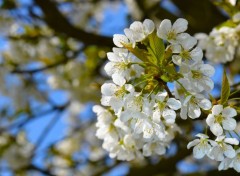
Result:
[
  {"x": 41, "y": 170},
  {"x": 60, "y": 24}
]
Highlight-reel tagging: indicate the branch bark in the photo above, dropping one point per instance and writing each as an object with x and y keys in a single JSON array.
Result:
[{"x": 55, "y": 19}]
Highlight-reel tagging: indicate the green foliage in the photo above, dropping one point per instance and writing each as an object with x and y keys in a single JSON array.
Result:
[
  {"x": 156, "y": 48},
  {"x": 225, "y": 91},
  {"x": 228, "y": 23},
  {"x": 140, "y": 53}
]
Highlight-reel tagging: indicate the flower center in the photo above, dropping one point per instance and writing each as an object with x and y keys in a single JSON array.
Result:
[
  {"x": 219, "y": 118},
  {"x": 185, "y": 55},
  {"x": 138, "y": 101},
  {"x": 120, "y": 92},
  {"x": 121, "y": 65},
  {"x": 161, "y": 105},
  {"x": 196, "y": 74},
  {"x": 171, "y": 35}
]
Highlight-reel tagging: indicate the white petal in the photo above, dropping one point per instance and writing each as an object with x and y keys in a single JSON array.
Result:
[
  {"x": 207, "y": 70},
  {"x": 198, "y": 152},
  {"x": 217, "y": 109},
  {"x": 129, "y": 88},
  {"x": 232, "y": 141},
  {"x": 176, "y": 48},
  {"x": 130, "y": 34},
  {"x": 174, "y": 104},
  {"x": 160, "y": 150},
  {"x": 156, "y": 116},
  {"x": 164, "y": 28},
  {"x": 149, "y": 26},
  {"x": 147, "y": 150},
  {"x": 187, "y": 99},
  {"x": 109, "y": 68},
  {"x": 169, "y": 115},
  {"x": 137, "y": 26},
  {"x": 118, "y": 79},
  {"x": 183, "y": 112},
  {"x": 196, "y": 54},
  {"x": 180, "y": 25},
  {"x": 205, "y": 104},
  {"x": 129, "y": 141},
  {"x": 116, "y": 104},
  {"x": 189, "y": 43},
  {"x": 177, "y": 60},
  {"x": 113, "y": 57},
  {"x": 210, "y": 120},
  {"x": 125, "y": 116},
  {"x": 229, "y": 151},
  {"x": 229, "y": 124},
  {"x": 193, "y": 111},
  {"x": 216, "y": 153},
  {"x": 161, "y": 96},
  {"x": 204, "y": 136},
  {"x": 216, "y": 129},
  {"x": 105, "y": 100},
  {"x": 207, "y": 83},
  {"x": 236, "y": 17},
  {"x": 193, "y": 143},
  {"x": 148, "y": 133},
  {"x": 229, "y": 112},
  {"x": 108, "y": 89},
  {"x": 236, "y": 165},
  {"x": 119, "y": 40}
]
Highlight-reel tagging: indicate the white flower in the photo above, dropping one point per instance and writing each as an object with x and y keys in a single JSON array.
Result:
[
  {"x": 232, "y": 2},
  {"x": 236, "y": 17},
  {"x": 221, "y": 118},
  {"x": 68, "y": 146},
  {"x": 106, "y": 129},
  {"x": 120, "y": 40},
  {"x": 125, "y": 149},
  {"x": 112, "y": 95},
  {"x": 154, "y": 148},
  {"x": 221, "y": 148},
  {"x": 192, "y": 104},
  {"x": 120, "y": 65},
  {"x": 18, "y": 156},
  {"x": 199, "y": 77},
  {"x": 231, "y": 162},
  {"x": 220, "y": 45},
  {"x": 201, "y": 147},
  {"x": 186, "y": 51},
  {"x": 132, "y": 106},
  {"x": 165, "y": 107},
  {"x": 172, "y": 33},
  {"x": 139, "y": 31},
  {"x": 149, "y": 129}
]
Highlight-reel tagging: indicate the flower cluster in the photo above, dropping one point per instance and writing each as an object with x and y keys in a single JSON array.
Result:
[
  {"x": 16, "y": 151},
  {"x": 222, "y": 43},
  {"x": 221, "y": 123},
  {"x": 140, "y": 115}
]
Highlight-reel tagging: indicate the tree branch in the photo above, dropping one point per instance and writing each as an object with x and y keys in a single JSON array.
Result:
[{"x": 55, "y": 19}]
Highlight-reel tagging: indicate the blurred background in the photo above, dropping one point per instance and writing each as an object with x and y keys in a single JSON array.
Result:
[{"x": 51, "y": 70}]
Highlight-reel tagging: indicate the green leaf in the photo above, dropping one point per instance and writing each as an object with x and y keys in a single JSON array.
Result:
[
  {"x": 225, "y": 92},
  {"x": 157, "y": 47},
  {"x": 165, "y": 78},
  {"x": 228, "y": 23},
  {"x": 140, "y": 53}
]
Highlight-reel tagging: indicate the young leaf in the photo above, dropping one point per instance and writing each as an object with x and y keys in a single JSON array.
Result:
[
  {"x": 225, "y": 92},
  {"x": 157, "y": 47},
  {"x": 140, "y": 53}
]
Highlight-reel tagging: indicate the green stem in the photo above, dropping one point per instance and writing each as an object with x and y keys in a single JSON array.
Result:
[{"x": 234, "y": 99}]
